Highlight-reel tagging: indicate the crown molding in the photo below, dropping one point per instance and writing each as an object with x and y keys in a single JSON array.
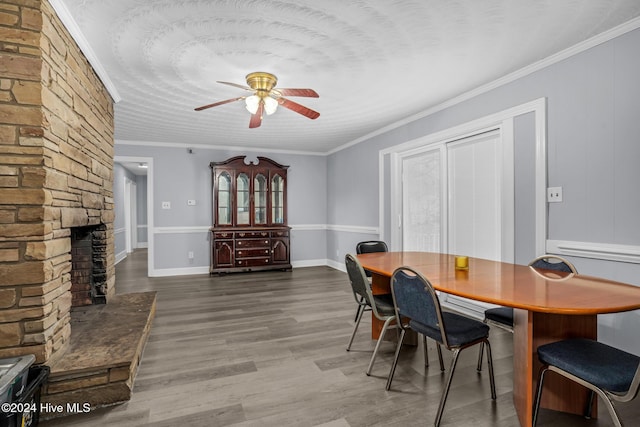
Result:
[
  {"x": 77, "y": 35},
  {"x": 518, "y": 74},
  {"x": 215, "y": 147}
]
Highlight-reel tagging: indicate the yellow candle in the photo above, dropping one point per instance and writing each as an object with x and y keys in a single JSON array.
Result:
[{"x": 462, "y": 263}]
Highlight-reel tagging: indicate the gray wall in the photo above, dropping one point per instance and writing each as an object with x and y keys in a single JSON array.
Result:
[
  {"x": 180, "y": 175},
  {"x": 593, "y": 101}
]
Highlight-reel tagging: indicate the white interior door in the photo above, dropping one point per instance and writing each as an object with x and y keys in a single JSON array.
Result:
[
  {"x": 475, "y": 197},
  {"x": 422, "y": 195}
]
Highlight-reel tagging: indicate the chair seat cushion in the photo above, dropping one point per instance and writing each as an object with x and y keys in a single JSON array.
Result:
[
  {"x": 384, "y": 304},
  {"x": 604, "y": 366},
  {"x": 461, "y": 330},
  {"x": 502, "y": 315}
]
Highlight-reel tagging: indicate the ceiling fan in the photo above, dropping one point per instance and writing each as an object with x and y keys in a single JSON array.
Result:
[{"x": 265, "y": 98}]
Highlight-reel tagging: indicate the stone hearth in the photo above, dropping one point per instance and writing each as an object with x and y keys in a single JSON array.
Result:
[{"x": 105, "y": 348}]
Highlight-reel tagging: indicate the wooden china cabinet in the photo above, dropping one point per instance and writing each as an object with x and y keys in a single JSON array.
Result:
[{"x": 250, "y": 231}]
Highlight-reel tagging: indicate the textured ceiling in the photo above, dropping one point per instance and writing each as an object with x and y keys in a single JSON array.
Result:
[{"x": 372, "y": 62}]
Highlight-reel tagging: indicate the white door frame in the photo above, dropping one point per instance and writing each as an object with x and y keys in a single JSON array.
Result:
[
  {"x": 150, "y": 222},
  {"x": 503, "y": 119}
]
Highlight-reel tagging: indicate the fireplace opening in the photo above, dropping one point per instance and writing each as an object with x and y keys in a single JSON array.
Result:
[{"x": 88, "y": 265}]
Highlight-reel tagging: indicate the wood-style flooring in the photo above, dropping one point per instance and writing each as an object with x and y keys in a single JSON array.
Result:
[{"x": 268, "y": 349}]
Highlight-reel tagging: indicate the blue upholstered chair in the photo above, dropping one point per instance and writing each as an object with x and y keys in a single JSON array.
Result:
[
  {"x": 418, "y": 308},
  {"x": 367, "y": 247},
  {"x": 380, "y": 305},
  {"x": 611, "y": 373}
]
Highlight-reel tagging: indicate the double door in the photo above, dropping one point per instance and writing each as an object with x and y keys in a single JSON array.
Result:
[{"x": 457, "y": 198}]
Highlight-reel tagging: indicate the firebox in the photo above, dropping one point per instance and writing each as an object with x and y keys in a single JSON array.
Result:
[{"x": 88, "y": 265}]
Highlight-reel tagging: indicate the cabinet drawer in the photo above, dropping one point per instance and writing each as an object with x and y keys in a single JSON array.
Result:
[
  {"x": 248, "y": 234},
  {"x": 223, "y": 235},
  {"x": 252, "y": 243},
  {"x": 279, "y": 234},
  {"x": 252, "y": 252},
  {"x": 252, "y": 262}
]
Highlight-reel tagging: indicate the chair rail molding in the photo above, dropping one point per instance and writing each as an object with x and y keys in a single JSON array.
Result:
[
  {"x": 602, "y": 251},
  {"x": 182, "y": 230}
]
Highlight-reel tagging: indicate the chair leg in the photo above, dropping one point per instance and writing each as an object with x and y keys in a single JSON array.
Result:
[
  {"x": 380, "y": 339},
  {"x": 426, "y": 354},
  {"x": 536, "y": 406},
  {"x": 355, "y": 328},
  {"x": 445, "y": 392},
  {"x": 440, "y": 356},
  {"x": 395, "y": 360},
  {"x": 480, "y": 353},
  {"x": 612, "y": 410},
  {"x": 492, "y": 379},
  {"x": 589, "y": 409}
]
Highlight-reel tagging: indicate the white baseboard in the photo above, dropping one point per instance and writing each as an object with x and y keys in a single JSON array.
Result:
[
  {"x": 186, "y": 271},
  {"x": 120, "y": 256},
  {"x": 309, "y": 263},
  {"x": 337, "y": 265}
]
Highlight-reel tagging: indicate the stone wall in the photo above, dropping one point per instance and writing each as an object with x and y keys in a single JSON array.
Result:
[{"x": 56, "y": 172}]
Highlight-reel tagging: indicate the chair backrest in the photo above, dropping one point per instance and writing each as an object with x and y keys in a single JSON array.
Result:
[
  {"x": 553, "y": 262},
  {"x": 415, "y": 298},
  {"x": 359, "y": 282},
  {"x": 371, "y": 246}
]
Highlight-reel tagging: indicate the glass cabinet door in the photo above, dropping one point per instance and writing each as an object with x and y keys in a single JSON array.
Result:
[
  {"x": 224, "y": 199},
  {"x": 260, "y": 199},
  {"x": 242, "y": 191},
  {"x": 277, "y": 199}
]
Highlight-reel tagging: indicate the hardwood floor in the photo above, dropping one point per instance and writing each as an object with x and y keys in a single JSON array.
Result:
[{"x": 268, "y": 349}]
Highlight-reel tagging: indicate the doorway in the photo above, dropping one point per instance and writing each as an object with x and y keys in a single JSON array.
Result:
[{"x": 135, "y": 206}]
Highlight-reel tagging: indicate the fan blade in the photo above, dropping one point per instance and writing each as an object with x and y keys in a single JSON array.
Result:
[
  {"x": 236, "y": 85},
  {"x": 256, "y": 119},
  {"x": 309, "y": 93},
  {"x": 215, "y": 104},
  {"x": 300, "y": 109}
]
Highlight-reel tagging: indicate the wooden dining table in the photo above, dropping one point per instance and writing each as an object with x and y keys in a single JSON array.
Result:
[{"x": 548, "y": 306}]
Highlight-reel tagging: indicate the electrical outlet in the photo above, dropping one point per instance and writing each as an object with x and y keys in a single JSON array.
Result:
[
  {"x": 554, "y": 194},
  {"x": 191, "y": 202},
  {"x": 166, "y": 205},
  {"x": 190, "y": 254}
]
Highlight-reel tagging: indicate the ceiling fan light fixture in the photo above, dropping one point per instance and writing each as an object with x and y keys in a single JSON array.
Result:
[
  {"x": 270, "y": 105},
  {"x": 252, "y": 102}
]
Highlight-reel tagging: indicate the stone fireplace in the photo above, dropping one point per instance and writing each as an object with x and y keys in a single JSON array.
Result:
[
  {"x": 57, "y": 214},
  {"x": 88, "y": 265},
  {"x": 56, "y": 181}
]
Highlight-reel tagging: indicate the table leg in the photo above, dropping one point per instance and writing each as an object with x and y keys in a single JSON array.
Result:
[{"x": 532, "y": 329}]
